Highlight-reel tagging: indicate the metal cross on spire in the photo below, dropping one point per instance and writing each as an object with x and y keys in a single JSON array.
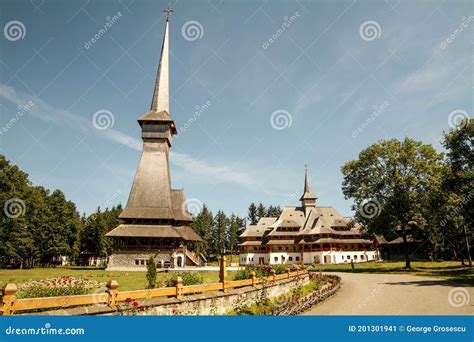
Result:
[{"x": 168, "y": 12}]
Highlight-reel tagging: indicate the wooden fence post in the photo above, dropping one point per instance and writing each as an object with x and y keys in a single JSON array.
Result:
[
  {"x": 179, "y": 287},
  {"x": 288, "y": 273},
  {"x": 112, "y": 290},
  {"x": 222, "y": 269},
  {"x": 272, "y": 273},
  {"x": 252, "y": 276},
  {"x": 9, "y": 298}
]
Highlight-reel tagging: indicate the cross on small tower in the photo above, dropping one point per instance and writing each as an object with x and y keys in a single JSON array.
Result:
[{"x": 168, "y": 12}]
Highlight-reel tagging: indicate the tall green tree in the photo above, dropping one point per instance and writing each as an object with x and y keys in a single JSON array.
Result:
[
  {"x": 261, "y": 211},
  {"x": 219, "y": 231},
  {"x": 460, "y": 181},
  {"x": 203, "y": 225},
  {"x": 390, "y": 183},
  {"x": 236, "y": 226},
  {"x": 252, "y": 214},
  {"x": 92, "y": 239}
]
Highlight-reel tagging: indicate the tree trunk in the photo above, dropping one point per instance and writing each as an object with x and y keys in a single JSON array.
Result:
[
  {"x": 469, "y": 259},
  {"x": 405, "y": 246}
]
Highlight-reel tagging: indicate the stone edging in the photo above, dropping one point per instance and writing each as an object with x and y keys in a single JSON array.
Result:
[{"x": 306, "y": 302}]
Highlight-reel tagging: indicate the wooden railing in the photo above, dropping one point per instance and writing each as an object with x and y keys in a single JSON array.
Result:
[{"x": 112, "y": 296}]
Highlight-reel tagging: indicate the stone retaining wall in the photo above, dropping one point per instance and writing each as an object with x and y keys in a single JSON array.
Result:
[{"x": 306, "y": 302}]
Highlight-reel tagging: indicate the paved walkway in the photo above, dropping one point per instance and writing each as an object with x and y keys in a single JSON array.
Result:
[{"x": 396, "y": 294}]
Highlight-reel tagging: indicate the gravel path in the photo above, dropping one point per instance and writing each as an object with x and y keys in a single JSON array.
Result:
[{"x": 396, "y": 294}]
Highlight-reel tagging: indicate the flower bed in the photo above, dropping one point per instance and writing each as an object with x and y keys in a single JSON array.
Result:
[{"x": 60, "y": 286}]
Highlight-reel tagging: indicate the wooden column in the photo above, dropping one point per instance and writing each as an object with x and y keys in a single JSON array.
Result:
[
  {"x": 252, "y": 276},
  {"x": 222, "y": 269},
  {"x": 9, "y": 299},
  {"x": 112, "y": 290},
  {"x": 179, "y": 287},
  {"x": 272, "y": 274}
]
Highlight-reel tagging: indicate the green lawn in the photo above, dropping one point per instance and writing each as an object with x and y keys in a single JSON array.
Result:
[
  {"x": 126, "y": 280},
  {"x": 449, "y": 270}
]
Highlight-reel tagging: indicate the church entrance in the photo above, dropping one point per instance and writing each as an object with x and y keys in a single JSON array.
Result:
[
  {"x": 327, "y": 259},
  {"x": 180, "y": 261},
  {"x": 261, "y": 260}
]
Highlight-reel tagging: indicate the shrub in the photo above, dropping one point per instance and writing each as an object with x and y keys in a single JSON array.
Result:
[
  {"x": 151, "y": 273},
  {"x": 261, "y": 271},
  {"x": 279, "y": 269},
  {"x": 244, "y": 273},
  {"x": 39, "y": 291},
  {"x": 189, "y": 278}
]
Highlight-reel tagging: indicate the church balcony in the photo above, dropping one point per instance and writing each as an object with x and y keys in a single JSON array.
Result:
[{"x": 143, "y": 247}]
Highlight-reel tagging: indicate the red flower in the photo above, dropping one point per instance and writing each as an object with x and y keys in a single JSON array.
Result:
[
  {"x": 142, "y": 308},
  {"x": 173, "y": 311},
  {"x": 128, "y": 300},
  {"x": 135, "y": 303}
]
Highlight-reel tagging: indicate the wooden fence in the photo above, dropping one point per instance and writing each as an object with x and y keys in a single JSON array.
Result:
[{"x": 112, "y": 296}]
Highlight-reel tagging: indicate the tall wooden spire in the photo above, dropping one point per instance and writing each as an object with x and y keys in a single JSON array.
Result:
[
  {"x": 160, "y": 101},
  {"x": 151, "y": 198}
]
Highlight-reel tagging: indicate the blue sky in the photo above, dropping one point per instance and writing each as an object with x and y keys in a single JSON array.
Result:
[{"x": 338, "y": 76}]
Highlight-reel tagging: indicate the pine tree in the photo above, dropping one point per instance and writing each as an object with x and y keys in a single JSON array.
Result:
[
  {"x": 203, "y": 226},
  {"x": 151, "y": 273},
  {"x": 252, "y": 214},
  {"x": 261, "y": 211},
  {"x": 219, "y": 233}
]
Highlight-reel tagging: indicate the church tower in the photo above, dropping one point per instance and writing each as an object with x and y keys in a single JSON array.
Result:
[
  {"x": 155, "y": 222},
  {"x": 308, "y": 199},
  {"x": 150, "y": 196}
]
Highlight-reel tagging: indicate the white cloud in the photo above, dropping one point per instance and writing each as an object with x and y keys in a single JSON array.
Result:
[
  {"x": 48, "y": 113},
  {"x": 213, "y": 173}
]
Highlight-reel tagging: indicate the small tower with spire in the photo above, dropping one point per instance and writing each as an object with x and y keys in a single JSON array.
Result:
[{"x": 308, "y": 199}]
